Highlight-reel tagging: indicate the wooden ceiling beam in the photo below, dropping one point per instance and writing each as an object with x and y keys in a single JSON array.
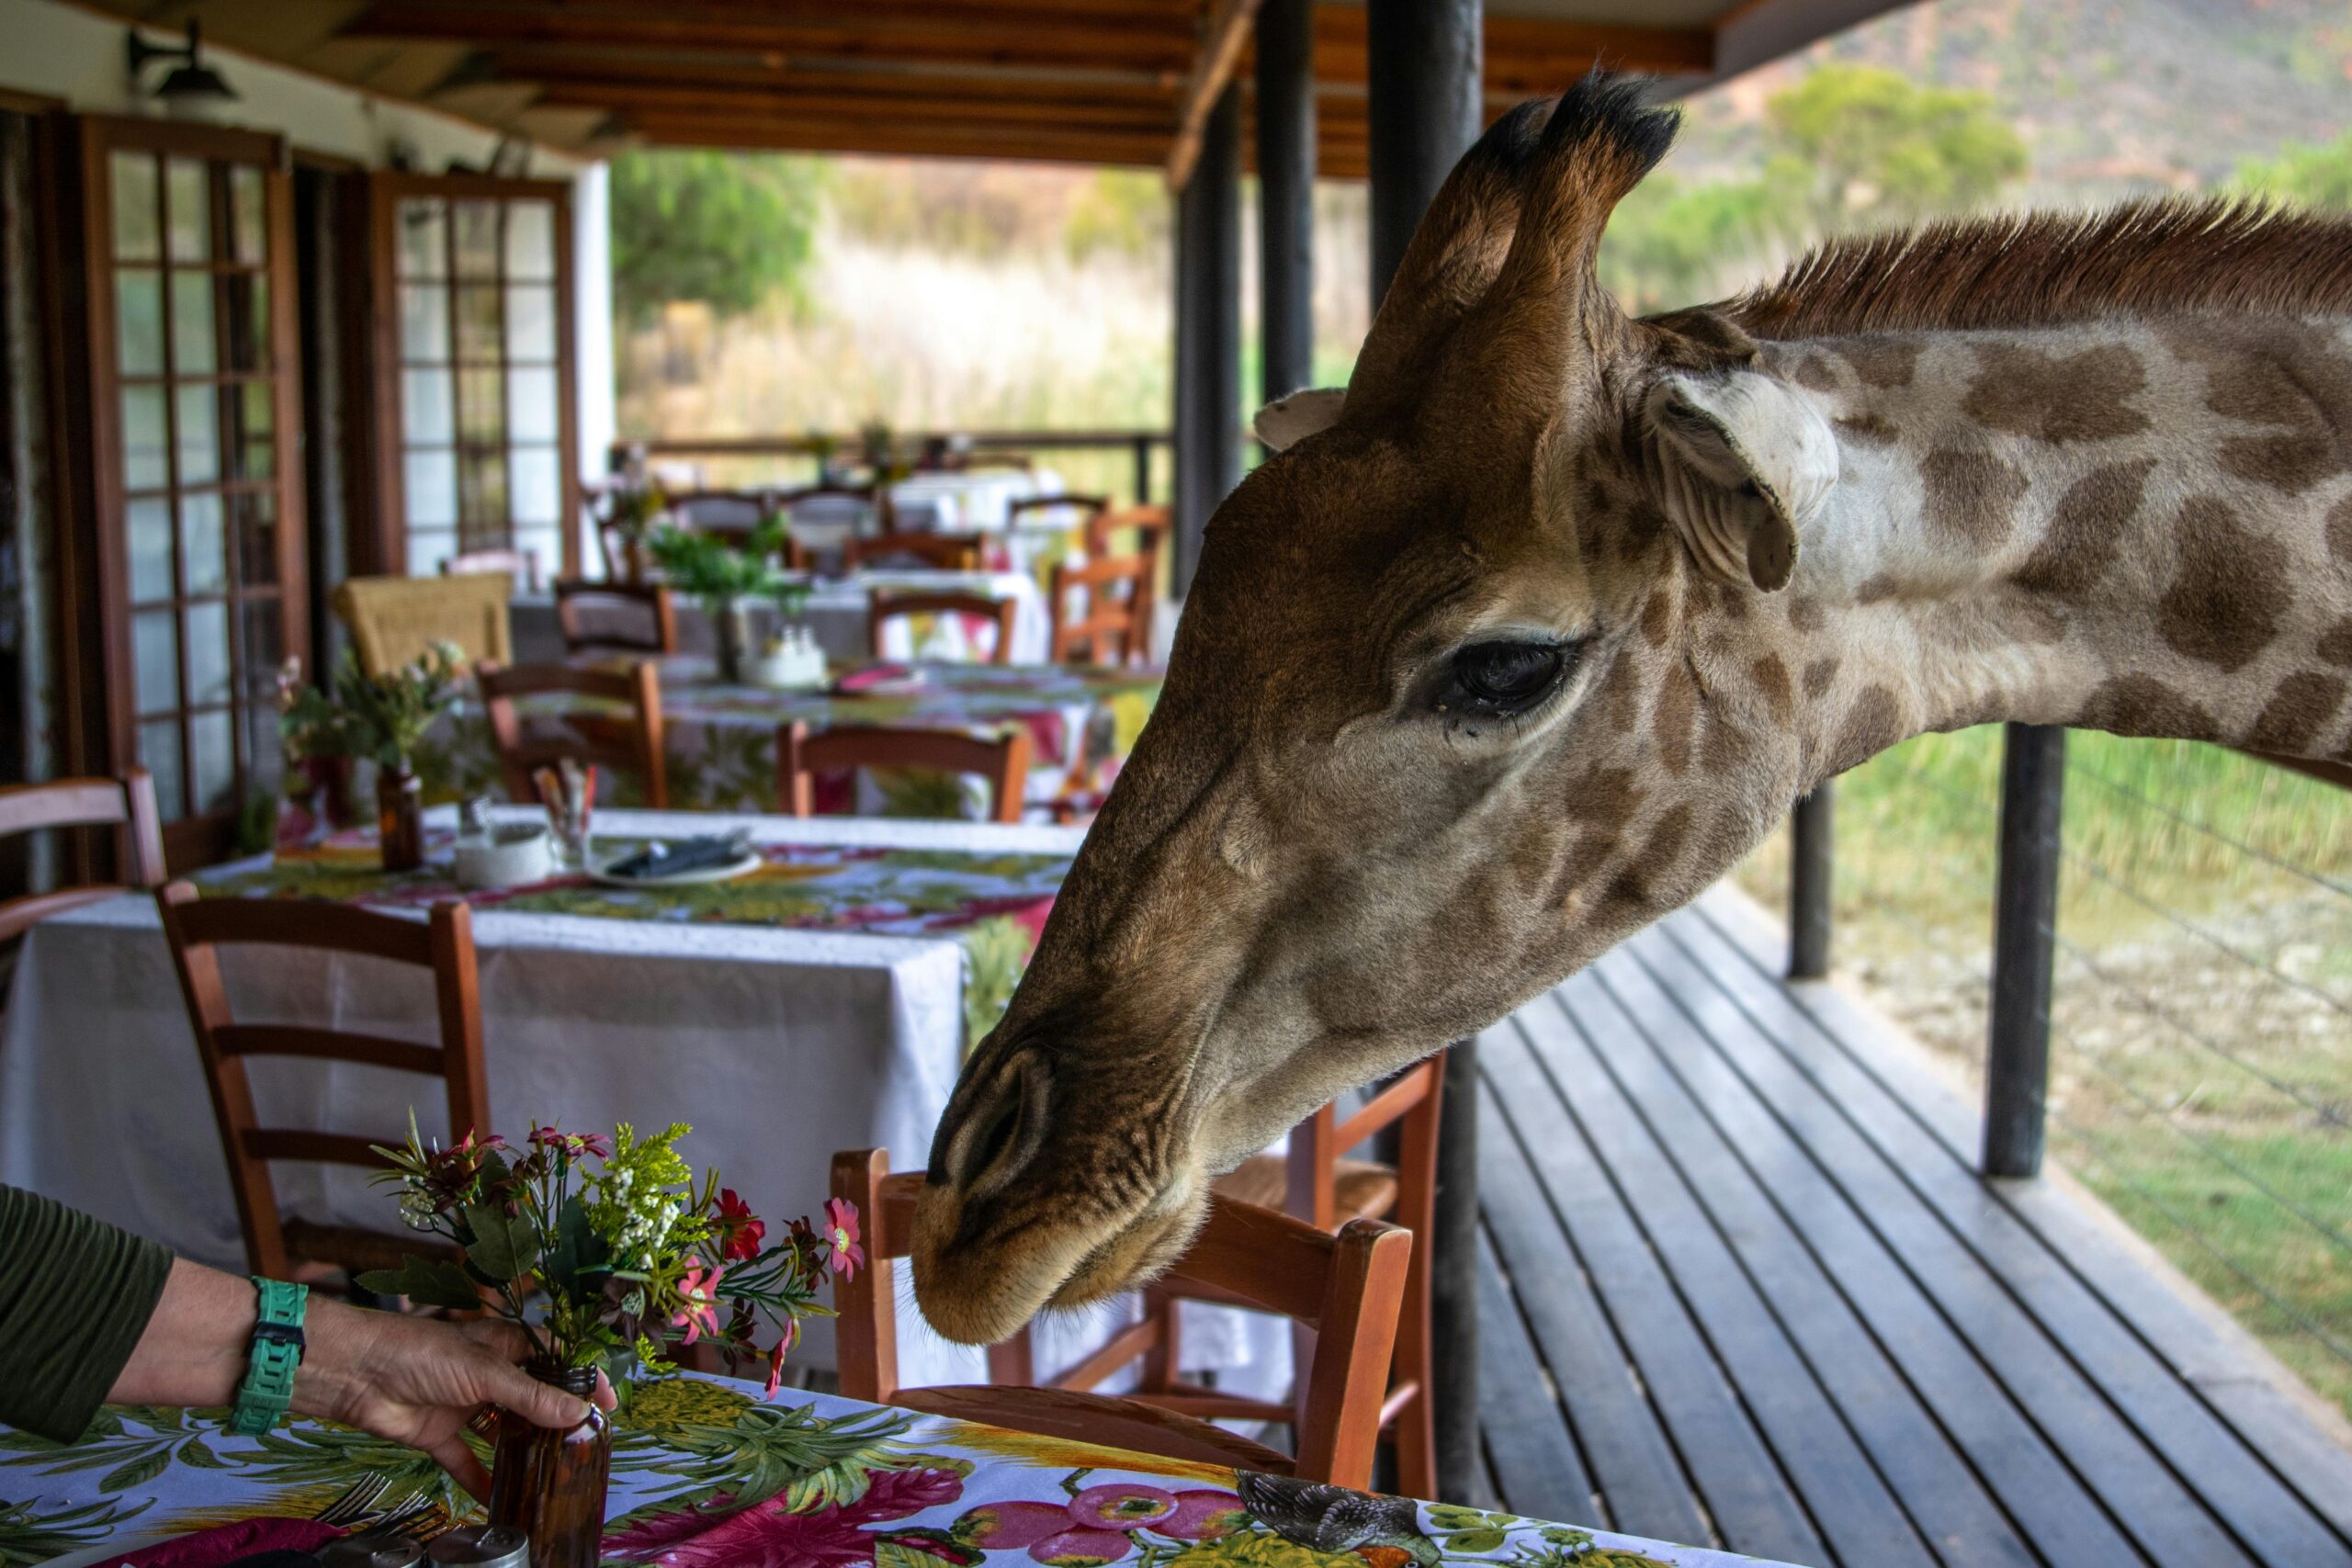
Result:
[
  {"x": 1541, "y": 55},
  {"x": 1222, "y": 43},
  {"x": 861, "y": 135},
  {"x": 602, "y": 70},
  {"x": 687, "y": 103}
]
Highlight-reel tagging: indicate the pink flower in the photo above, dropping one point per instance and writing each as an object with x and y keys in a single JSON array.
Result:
[
  {"x": 776, "y": 1357},
  {"x": 1009, "y": 1526},
  {"x": 1121, "y": 1506},
  {"x": 1080, "y": 1548},
  {"x": 1203, "y": 1516},
  {"x": 840, "y": 1235},
  {"x": 698, "y": 1311},
  {"x": 740, "y": 1231},
  {"x": 769, "y": 1535}
]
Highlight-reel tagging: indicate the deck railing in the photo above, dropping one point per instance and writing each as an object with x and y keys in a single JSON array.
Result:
[
  {"x": 1118, "y": 463},
  {"x": 2175, "y": 941}
]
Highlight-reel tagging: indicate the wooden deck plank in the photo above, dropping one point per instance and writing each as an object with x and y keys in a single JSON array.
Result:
[
  {"x": 1848, "y": 1498},
  {"x": 1529, "y": 1451},
  {"x": 1943, "y": 1495},
  {"x": 2046, "y": 1335},
  {"x": 1640, "y": 1479},
  {"x": 1729, "y": 1463},
  {"x": 2270, "y": 1421}
]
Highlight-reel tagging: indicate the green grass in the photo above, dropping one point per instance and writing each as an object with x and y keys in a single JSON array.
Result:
[{"x": 2201, "y": 1057}]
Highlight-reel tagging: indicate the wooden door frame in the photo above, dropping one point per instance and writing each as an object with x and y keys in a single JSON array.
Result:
[{"x": 385, "y": 189}]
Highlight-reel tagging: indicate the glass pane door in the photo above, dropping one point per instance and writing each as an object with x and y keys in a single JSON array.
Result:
[
  {"x": 478, "y": 286},
  {"x": 195, "y": 376}
]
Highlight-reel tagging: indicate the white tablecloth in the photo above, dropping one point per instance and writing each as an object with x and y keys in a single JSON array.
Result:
[{"x": 778, "y": 1046}]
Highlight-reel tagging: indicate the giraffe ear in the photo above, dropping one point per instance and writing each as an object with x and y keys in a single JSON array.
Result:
[
  {"x": 1741, "y": 462},
  {"x": 1287, "y": 421}
]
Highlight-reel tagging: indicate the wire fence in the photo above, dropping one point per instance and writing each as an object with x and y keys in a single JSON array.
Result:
[{"x": 2202, "y": 1038}]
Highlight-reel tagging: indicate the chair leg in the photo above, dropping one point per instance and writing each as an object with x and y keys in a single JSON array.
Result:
[
  {"x": 1013, "y": 1363},
  {"x": 1161, "y": 1363}
]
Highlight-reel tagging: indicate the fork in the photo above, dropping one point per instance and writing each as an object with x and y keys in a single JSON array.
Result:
[{"x": 356, "y": 1499}]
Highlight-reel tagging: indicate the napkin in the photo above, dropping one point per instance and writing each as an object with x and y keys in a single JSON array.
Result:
[
  {"x": 875, "y": 675},
  {"x": 659, "y": 859},
  {"x": 223, "y": 1544}
]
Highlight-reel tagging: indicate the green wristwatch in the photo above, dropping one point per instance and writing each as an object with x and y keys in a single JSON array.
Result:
[{"x": 269, "y": 1387}]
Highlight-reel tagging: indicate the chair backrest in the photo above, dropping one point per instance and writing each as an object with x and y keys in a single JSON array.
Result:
[
  {"x": 1089, "y": 506},
  {"x": 442, "y": 943},
  {"x": 628, "y": 617},
  {"x": 943, "y": 551},
  {"x": 1114, "y": 627},
  {"x": 883, "y": 606},
  {"x": 724, "y": 511},
  {"x": 1148, "y": 523},
  {"x": 394, "y": 620},
  {"x": 126, "y": 805},
  {"x": 521, "y": 567},
  {"x": 874, "y": 497},
  {"x": 632, "y": 743},
  {"x": 1345, "y": 1286},
  {"x": 800, "y": 756}
]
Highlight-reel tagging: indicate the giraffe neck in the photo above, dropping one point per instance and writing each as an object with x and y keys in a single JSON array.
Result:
[{"x": 2138, "y": 526}]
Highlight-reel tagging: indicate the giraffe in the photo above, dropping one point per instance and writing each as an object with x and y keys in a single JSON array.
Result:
[{"x": 1530, "y": 632}]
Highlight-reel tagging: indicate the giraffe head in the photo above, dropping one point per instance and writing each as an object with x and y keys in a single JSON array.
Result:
[{"x": 1426, "y": 742}]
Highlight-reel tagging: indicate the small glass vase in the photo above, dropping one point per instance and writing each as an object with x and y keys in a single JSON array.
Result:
[
  {"x": 551, "y": 1484},
  {"x": 731, "y": 625},
  {"x": 400, "y": 818}
]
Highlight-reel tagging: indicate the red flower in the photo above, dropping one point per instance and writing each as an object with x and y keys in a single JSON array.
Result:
[
  {"x": 740, "y": 1231},
  {"x": 769, "y": 1535},
  {"x": 841, "y": 1234},
  {"x": 776, "y": 1357}
]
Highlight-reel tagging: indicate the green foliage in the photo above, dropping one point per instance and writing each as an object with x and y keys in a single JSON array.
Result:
[
  {"x": 1668, "y": 238},
  {"x": 426, "y": 1283},
  {"x": 708, "y": 567},
  {"x": 380, "y": 718},
  {"x": 1124, "y": 211},
  {"x": 2306, "y": 175},
  {"x": 728, "y": 229},
  {"x": 1876, "y": 144}
]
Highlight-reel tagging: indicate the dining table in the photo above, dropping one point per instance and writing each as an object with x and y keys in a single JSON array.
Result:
[
  {"x": 823, "y": 1001},
  {"x": 1082, "y": 722},
  {"x": 716, "y": 1473}
]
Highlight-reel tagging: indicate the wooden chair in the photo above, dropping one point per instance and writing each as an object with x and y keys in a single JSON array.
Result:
[
  {"x": 126, "y": 805},
  {"x": 623, "y": 617},
  {"x": 521, "y": 567},
  {"x": 634, "y": 744},
  {"x": 1150, "y": 527},
  {"x": 394, "y": 620},
  {"x": 874, "y": 496},
  {"x": 800, "y": 756},
  {"x": 881, "y": 607},
  {"x": 1346, "y": 1286},
  {"x": 1113, "y": 628},
  {"x": 942, "y": 552},
  {"x": 197, "y": 929}
]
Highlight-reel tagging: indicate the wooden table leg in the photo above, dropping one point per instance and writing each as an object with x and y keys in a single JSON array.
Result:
[{"x": 1453, "y": 1282}]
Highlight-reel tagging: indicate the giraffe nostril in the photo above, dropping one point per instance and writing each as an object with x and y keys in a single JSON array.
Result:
[{"x": 995, "y": 1138}]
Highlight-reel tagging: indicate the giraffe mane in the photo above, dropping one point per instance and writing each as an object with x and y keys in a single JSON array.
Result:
[{"x": 2157, "y": 256}]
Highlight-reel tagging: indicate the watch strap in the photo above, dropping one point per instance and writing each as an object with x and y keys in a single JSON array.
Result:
[{"x": 268, "y": 1389}]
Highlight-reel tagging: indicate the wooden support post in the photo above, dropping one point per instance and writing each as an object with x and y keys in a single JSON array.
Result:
[
  {"x": 2025, "y": 931},
  {"x": 1208, "y": 334},
  {"x": 1286, "y": 195},
  {"x": 1425, "y": 109},
  {"x": 1813, "y": 850},
  {"x": 1143, "y": 471}
]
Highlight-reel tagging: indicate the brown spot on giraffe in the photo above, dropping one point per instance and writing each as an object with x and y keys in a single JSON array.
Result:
[
  {"x": 2141, "y": 705},
  {"x": 2283, "y": 377},
  {"x": 1657, "y": 617},
  {"x": 1815, "y": 370},
  {"x": 1878, "y": 589},
  {"x": 1870, "y": 429},
  {"x": 2057, "y": 397},
  {"x": 2336, "y": 643},
  {"x": 1678, "y": 706},
  {"x": 1874, "y": 723},
  {"x": 2084, "y": 530},
  {"x": 2297, "y": 712},
  {"x": 1819, "y": 674},
  {"x": 1881, "y": 361},
  {"x": 1771, "y": 678},
  {"x": 1646, "y": 875},
  {"x": 1805, "y": 613},
  {"x": 2229, "y": 591},
  {"x": 1971, "y": 494}
]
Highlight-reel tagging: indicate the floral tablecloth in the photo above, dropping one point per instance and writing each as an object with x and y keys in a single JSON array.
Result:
[
  {"x": 1082, "y": 724},
  {"x": 994, "y": 902},
  {"x": 706, "y": 1475}
]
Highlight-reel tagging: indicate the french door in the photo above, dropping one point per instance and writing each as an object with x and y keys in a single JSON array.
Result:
[
  {"x": 194, "y": 433},
  {"x": 473, "y": 284}
]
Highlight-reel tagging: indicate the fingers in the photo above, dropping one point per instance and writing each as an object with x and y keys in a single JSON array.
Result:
[
  {"x": 534, "y": 1401},
  {"x": 605, "y": 1398},
  {"x": 452, "y": 1455}
]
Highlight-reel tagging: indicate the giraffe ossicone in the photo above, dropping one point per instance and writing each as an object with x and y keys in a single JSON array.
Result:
[{"x": 1528, "y": 635}]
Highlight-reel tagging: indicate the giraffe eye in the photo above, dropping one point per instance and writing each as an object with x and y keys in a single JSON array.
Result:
[{"x": 1509, "y": 678}]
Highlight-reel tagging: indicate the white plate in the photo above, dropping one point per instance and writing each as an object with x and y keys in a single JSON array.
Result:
[{"x": 751, "y": 862}]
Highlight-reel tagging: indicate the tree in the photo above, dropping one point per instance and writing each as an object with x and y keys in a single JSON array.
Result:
[
  {"x": 2312, "y": 177},
  {"x": 728, "y": 229},
  {"x": 1875, "y": 148},
  {"x": 1670, "y": 243}
]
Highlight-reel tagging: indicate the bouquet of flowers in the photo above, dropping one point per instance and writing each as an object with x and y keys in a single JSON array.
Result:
[
  {"x": 604, "y": 1251},
  {"x": 379, "y": 718}
]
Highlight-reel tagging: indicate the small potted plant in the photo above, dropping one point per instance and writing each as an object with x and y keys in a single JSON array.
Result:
[
  {"x": 728, "y": 580},
  {"x": 632, "y": 506},
  {"x": 604, "y": 1252},
  {"x": 383, "y": 719}
]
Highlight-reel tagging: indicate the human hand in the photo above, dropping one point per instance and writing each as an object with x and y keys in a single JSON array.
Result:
[{"x": 419, "y": 1381}]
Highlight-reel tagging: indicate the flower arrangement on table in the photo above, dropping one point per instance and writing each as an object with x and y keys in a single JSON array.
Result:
[
  {"x": 380, "y": 719},
  {"x": 727, "y": 578},
  {"x": 633, "y": 503},
  {"x": 604, "y": 1252}
]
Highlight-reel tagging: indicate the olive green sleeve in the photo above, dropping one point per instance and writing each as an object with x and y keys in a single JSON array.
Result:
[{"x": 75, "y": 1294}]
